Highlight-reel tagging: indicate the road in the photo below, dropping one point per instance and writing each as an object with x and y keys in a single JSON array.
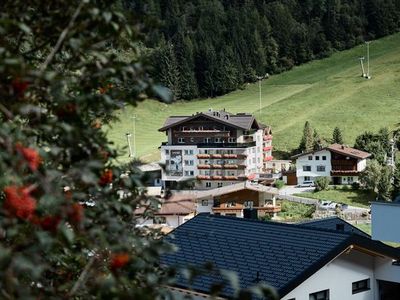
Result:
[{"x": 291, "y": 189}]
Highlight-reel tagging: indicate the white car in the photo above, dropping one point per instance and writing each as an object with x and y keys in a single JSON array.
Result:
[
  {"x": 306, "y": 184},
  {"x": 328, "y": 205}
]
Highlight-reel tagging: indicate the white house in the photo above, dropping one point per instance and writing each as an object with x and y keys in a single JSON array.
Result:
[
  {"x": 341, "y": 163},
  {"x": 300, "y": 261}
]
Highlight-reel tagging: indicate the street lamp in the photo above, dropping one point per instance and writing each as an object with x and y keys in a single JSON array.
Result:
[
  {"x": 368, "y": 76},
  {"x": 260, "y": 78},
  {"x": 128, "y": 139},
  {"x": 362, "y": 66},
  {"x": 134, "y": 135}
]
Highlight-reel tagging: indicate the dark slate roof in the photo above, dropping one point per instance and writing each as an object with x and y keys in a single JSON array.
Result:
[
  {"x": 283, "y": 255},
  {"x": 240, "y": 120},
  {"x": 331, "y": 223}
]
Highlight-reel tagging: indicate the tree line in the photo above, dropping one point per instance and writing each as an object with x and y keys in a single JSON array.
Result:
[{"x": 206, "y": 48}]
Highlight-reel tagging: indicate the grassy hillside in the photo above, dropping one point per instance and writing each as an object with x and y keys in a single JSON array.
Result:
[{"x": 328, "y": 93}]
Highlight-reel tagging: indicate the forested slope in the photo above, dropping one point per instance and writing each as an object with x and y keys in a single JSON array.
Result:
[{"x": 206, "y": 48}]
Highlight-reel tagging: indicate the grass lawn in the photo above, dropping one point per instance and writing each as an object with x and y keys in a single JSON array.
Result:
[
  {"x": 293, "y": 211},
  {"x": 328, "y": 93},
  {"x": 348, "y": 196},
  {"x": 367, "y": 228}
]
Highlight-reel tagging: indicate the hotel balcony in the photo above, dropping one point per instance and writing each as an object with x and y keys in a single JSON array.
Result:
[
  {"x": 222, "y": 155},
  {"x": 238, "y": 208},
  {"x": 267, "y": 137},
  {"x": 221, "y": 166},
  {"x": 226, "y": 145},
  {"x": 268, "y": 158},
  {"x": 217, "y": 177},
  {"x": 267, "y": 148},
  {"x": 202, "y": 133}
]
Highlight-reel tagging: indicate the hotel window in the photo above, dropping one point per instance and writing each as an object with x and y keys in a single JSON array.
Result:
[
  {"x": 181, "y": 140},
  {"x": 310, "y": 157},
  {"x": 218, "y": 140},
  {"x": 231, "y": 140},
  {"x": 204, "y": 203},
  {"x": 306, "y": 168},
  {"x": 322, "y": 295},
  {"x": 316, "y": 157},
  {"x": 167, "y": 152},
  {"x": 207, "y": 140},
  {"x": 324, "y": 157},
  {"x": 320, "y": 168},
  {"x": 349, "y": 179},
  {"x": 360, "y": 286},
  {"x": 307, "y": 178},
  {"x": 189, "y": 152},
  {"x": 208, "y": 184},
  {"x": 219, "y": 184},
  {"x": 189, "y": 162},
  {"x": 192, "y": 140}
]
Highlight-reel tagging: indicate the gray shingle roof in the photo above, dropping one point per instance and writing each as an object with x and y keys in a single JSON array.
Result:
[
  {"x": 283, "y": 255},
  {"x": 331, "y": 223},
  {"x": 240, "y": 120}
]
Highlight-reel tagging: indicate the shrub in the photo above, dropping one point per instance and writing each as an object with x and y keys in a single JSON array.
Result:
[
  {"x": 279, "y": 184},
  {"x": 355, "y": 185},
  {"x": 321, "y": 183}
]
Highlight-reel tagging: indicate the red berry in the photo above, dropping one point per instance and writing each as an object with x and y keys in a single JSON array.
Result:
[
  {"x": 19, "y": 202},
  {"x": 19, "y": 86},
  {"x": 31, "y": 156},
  {"x": 76, "y": 213},
  {"x": 106, "y": 177},
  {"x": 119, "y": 260}
]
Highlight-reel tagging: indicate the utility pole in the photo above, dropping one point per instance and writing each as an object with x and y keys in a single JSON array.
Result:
[
  {"x": 134, "y": 135},
  {"x": 368, "y": 76},
  {"x": 128, "y": 140},
  {"x": 362, "y": 66},
  {"x": 260, "y": 78}
]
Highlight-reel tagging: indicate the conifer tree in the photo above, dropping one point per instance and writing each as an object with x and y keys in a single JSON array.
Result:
[
  {"x": 317, "y": 141},
  {"x": 307, "y": 140},
  {"x": 337, "y": 137}
]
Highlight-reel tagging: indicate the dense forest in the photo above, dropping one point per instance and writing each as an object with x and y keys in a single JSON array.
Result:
[{"x": 206, "y": 48}]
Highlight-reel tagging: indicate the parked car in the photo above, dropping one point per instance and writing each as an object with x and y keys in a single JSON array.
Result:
[
  {"x": 306, "y": 184},
  {"x": 328, "y": 205}
]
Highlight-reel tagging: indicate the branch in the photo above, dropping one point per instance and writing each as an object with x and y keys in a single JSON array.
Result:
[
  {"x": 61, "y": 38},
  {"x": 82, "y": 277}
]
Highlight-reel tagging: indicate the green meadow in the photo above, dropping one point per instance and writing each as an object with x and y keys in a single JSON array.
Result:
[{"x": 327, "y": 93}]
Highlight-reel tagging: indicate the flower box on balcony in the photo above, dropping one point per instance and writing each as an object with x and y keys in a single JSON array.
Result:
[
  {"x": 216, "y": 166},
  {"x": 230, "y": 166},
  {"x": 202, "y": 166},
  {"x": 267, "y": 137},
  {"x": 268, "y": 158},
  {"x": 217, "y": 177},
  {"x": 267, "y": 148},
  {"x": 203, "y": 156},
  {"x": 216, "y": 155},
  {"x": 203, "y": 177}
]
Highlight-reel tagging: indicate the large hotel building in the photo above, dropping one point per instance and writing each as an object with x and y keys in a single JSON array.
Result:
[{"x": 215, "y": 147}]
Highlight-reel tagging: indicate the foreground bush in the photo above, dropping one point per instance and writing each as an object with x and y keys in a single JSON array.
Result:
[{"x": 321, "y": 183}]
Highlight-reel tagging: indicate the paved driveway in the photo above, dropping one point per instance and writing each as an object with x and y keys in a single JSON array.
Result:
[{"x": 292, "y": 189}]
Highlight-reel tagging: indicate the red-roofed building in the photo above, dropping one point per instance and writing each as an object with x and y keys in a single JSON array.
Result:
[{"x": 341, "y": 163}]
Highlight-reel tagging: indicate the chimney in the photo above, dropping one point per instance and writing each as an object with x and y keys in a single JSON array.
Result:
[
  {"x": 342, "y": 146},
  {"x": 339, "y": 227}
]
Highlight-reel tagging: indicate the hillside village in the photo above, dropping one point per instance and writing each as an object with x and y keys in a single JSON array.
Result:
[
  {"x": 217, "y": 166},
  {"x": 207, "y": 149}
]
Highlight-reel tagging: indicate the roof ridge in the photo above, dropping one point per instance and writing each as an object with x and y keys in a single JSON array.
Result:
[{"x": 274, "y": 223}]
